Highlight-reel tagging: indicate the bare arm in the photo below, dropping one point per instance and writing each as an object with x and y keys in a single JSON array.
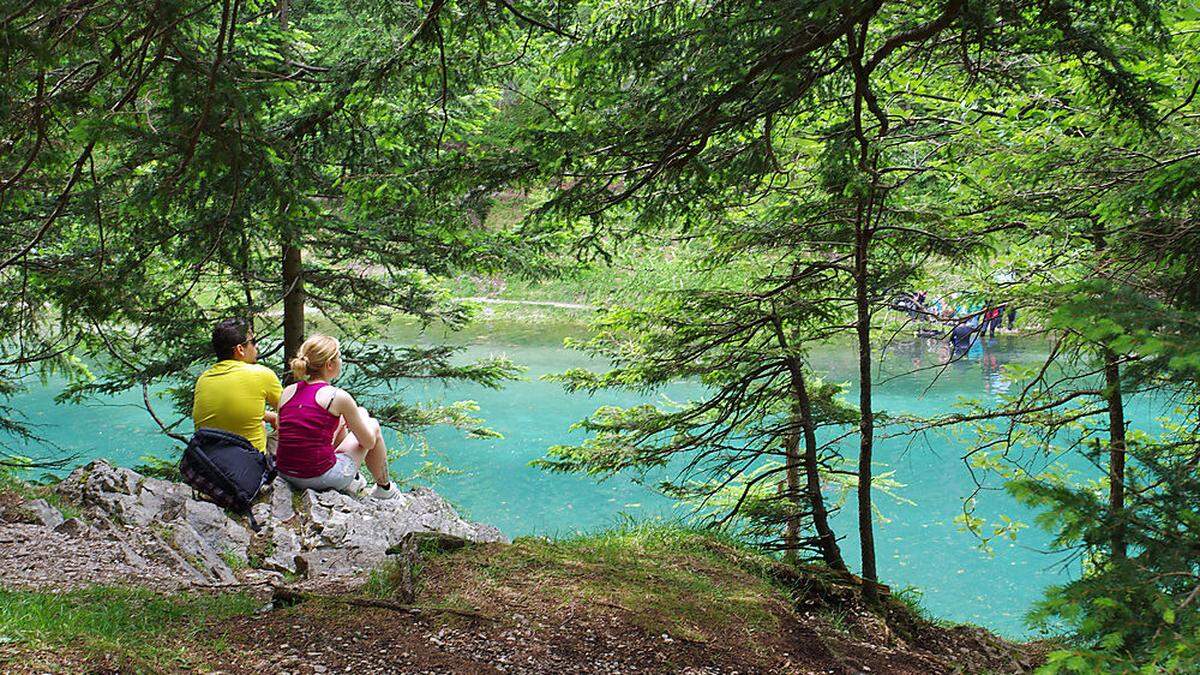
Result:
[
  {"x": 272, "y": 391},
  {"x": 344, "y": 405}
]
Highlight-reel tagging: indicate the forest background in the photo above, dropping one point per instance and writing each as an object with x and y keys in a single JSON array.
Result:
[{"x": 165, "y": 164}]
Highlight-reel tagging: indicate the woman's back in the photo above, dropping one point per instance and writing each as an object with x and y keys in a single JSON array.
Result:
[{"x": 306, "y": 431}]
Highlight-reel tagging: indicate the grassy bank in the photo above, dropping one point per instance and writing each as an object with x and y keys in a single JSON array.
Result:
[
  {"x": 631, "y": 273},
  {"x": 113, "y": 628},
  {"x": 666, "y": 579},
  {"x": 636, "y": 599}
]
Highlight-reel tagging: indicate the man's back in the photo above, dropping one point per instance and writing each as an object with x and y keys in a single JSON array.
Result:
[{"x": 232, "y": 396}]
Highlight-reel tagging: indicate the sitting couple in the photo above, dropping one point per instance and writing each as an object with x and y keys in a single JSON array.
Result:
[{"x": 322, "y": 434}]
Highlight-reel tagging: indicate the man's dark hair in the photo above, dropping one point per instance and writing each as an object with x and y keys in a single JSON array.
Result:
[{"x": 228, "y": 335}]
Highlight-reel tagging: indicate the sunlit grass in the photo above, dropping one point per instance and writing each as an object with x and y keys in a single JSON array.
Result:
[
  {"x": 136, "y": 626},
  {"x": 665, "y": 578}
]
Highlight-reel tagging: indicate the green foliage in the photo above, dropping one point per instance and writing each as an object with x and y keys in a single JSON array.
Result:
[
  {"x": 160, "y": 157},
  {"x": 1134, "y": 613},
  {"x": 800, "y": 165},
  {"x": 158, "y": 467},
  {"x": 731, "y": 442},
  {"x": 139, "y": 627}
]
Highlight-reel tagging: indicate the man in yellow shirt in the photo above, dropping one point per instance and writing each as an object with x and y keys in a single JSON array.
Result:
[{"x": 233, "y": 394}]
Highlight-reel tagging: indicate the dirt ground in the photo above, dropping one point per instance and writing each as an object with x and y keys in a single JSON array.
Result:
[
  {"x": 537, "y": 607},
  {"x": 520, "y": 620}
]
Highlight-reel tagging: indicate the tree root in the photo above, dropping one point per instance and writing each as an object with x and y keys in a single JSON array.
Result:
[{"x": 287, "y": 597}]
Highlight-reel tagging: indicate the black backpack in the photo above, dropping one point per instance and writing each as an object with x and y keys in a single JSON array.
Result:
[{"x": 227, "y": 469}]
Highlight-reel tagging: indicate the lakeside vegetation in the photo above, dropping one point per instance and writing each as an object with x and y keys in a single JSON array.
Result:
[
  {"x": 117, "y": 628},
  {"x": 674, "y": 585}
]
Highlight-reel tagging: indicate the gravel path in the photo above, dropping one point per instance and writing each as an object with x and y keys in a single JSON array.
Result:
[{"x": 37, "y": 557}]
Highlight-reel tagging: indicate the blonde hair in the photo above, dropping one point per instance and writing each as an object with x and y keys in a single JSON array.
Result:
[{"x": 316, "y": 352}]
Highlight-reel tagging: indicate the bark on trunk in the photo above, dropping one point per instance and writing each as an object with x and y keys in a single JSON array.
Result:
[
  {"x": 802, "y": 424},
  {"x": 791, "y": 450},
  {"x": 1116, "y": 429},
  {"x": 830, "y": 551},
  {"x": 293, "y": 270},
  {"x": 293, "y": 302},
  {"x": 866, "y": 425},
  {"x": 1116, "y": 452}
]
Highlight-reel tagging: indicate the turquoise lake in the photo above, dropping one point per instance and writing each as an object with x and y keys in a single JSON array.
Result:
[{"x": 918, "y": 543}]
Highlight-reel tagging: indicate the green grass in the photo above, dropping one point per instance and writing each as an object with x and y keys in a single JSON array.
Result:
[
  {"x": 383, "y": 580},
  {"x": 10, "y": 483},
  {"x": 235, "y": 561},
  {"x": 667, "y": 578},
  {"x": 913, "y": 598},
  {"x": 140, "y": 628},
  {"x": 633, "y": 272},
  {"x": 835, "y": 619}
]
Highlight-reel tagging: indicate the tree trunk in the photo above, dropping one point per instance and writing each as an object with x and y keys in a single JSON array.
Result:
[
  {"x": 826, "y": 538},
  {"x": 791, "y": 450},
  {"x": 1116, "y": 452},
  {"x": 1116, "y": 429},
  {"x": 293, "y": 302},
  {"x": 293, "y": 270},
  {"x": 801, "y": 422},
  {"x": 866, "y": 424}
]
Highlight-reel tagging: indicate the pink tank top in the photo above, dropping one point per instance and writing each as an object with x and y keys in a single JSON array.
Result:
[{"x": 305, "y": 434}]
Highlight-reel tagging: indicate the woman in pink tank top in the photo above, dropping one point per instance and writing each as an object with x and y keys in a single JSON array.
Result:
[{"x": 324, "y": 436}]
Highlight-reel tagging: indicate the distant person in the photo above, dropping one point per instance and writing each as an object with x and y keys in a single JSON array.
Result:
[
  {"x": 1012, "y": 316},
  {"x": 961, "y": 338},
  {"x": 942, "y": 311},
  {"x": 233, "y": 394},
  {"x": 992, "y": 319},
  {"x": 906, "y": 301},
  {"x": 324, "y": 436}
]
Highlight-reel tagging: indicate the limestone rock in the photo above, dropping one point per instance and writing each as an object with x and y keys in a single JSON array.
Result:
[
  {"x": 285, "y": 547},
  {"x": 261, "y": 512},
  {"x": 327, "y": 534},
  {"x": 122, "y": 494},
  {"x": 72, "y": 527},
  {"x": 343, "y": 534},
  {"x": 218, "y": 530},
  {"x": 43, "y": 513},
  {"x": 99, "y": 478},
  {"x": 281, "y": 500},
  {"x": 159, "y": 497},
  {"x": 199, "y": 554}
]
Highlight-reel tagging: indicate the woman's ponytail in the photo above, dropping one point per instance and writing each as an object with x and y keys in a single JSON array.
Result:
[
  {"x": 316, "y": 352},
  {"x": 299, "y": 366}
]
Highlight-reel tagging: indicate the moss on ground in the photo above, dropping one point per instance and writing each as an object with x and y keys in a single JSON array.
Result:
[{"x": 666, "y": 579}]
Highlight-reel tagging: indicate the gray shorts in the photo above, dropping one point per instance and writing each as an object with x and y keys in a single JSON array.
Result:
[{"x": 339, "y": 476}]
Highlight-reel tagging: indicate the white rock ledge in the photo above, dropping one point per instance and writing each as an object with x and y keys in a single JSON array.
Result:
[{"x": 313, "y": 534}]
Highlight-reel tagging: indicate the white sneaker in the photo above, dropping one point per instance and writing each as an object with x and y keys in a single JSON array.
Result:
[
  {"x": 389, "y": 493},
  {"x": 356, "y": 486}
]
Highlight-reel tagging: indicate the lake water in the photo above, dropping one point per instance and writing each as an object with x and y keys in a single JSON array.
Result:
[{"x": 918, "y": 544}]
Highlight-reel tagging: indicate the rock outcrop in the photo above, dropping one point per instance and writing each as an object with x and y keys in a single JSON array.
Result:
[{"x": 307, "y": 534}]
